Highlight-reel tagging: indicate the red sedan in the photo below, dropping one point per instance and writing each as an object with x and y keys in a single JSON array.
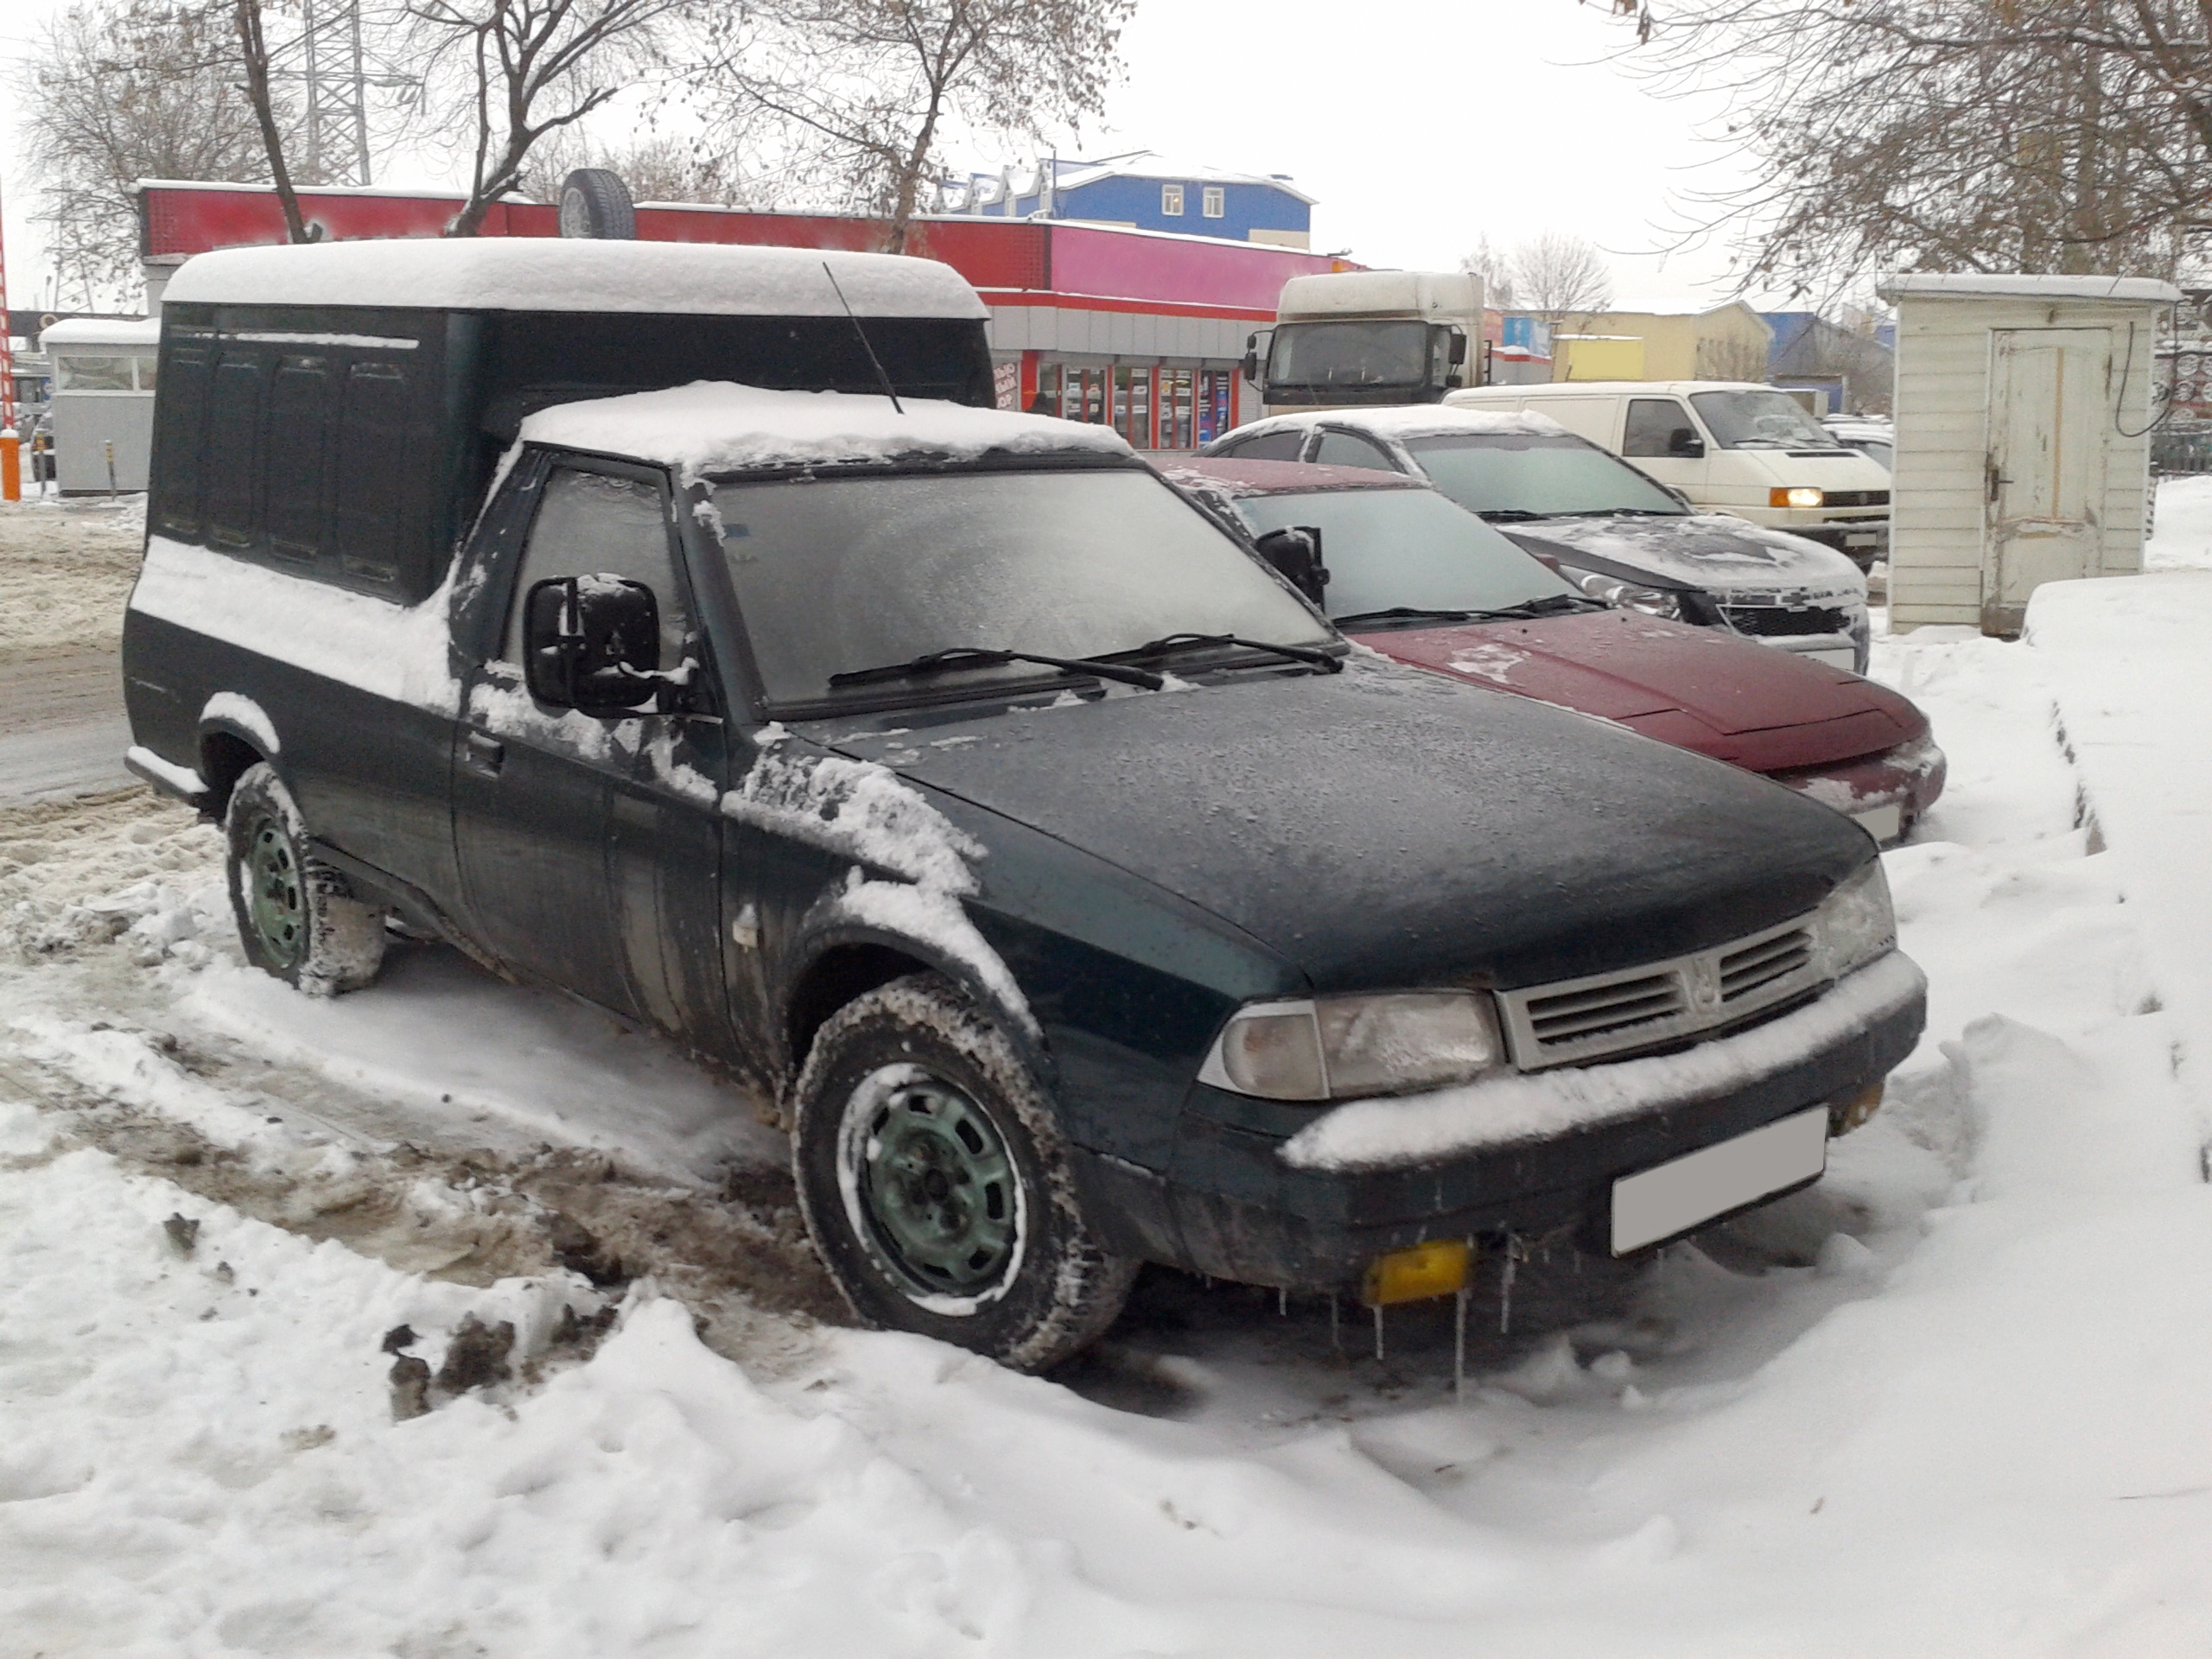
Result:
[{"x": 1403, "y": 570}]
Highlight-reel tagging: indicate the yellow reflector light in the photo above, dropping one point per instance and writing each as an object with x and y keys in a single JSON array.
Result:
[
  {"x": 1415, "y": 1274},
  {"x": 1800, "y": 497},
  {"x": 1847, "y": 1112}
]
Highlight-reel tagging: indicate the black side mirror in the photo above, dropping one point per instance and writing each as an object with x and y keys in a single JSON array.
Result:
[
  {"x": 1685, "y": 443},
  {"x": 591, "y": 643},
  {"x": 1295, "y": 555},
  {"x": 1458, "y": 348}
]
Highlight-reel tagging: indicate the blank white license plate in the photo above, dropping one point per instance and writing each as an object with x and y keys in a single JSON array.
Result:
[
  {"x": 1883, "y": 823},
  {"x": 1864, "y": 538},
  {"x": 1675, "y": 1197},
  {"x": 1841, "y": 656}
]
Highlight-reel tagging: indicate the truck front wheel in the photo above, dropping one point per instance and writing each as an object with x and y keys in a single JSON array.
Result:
[
  {"x": 935, "y": 1182},
  {"x": 298, "y": 919}
]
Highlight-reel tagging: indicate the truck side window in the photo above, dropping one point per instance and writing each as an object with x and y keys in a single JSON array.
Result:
[
  {"x": 1342, "y": 449},
  {"x": 1652, "y": 423},
  {"x": 593, "y": 524},
  {"x": 1269, "y": 446}
]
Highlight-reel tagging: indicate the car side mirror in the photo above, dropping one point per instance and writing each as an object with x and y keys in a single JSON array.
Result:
[
  {"x": 1685, "y": 443},
  {"x": 1295, "y": 555},
  {"x": 1458, "y": 348},
  {"x": 591, "y": 643}
]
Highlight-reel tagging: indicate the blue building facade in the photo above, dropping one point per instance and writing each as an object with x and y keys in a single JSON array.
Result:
[{"x": 1150, "y": 192}]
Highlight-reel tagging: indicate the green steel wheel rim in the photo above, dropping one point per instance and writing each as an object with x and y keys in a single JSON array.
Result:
[
  {"x": 276, "y": 891},
  {"x": 936, "y": 1188}
]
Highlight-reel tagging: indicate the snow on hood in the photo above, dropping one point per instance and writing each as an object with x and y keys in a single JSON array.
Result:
[
  {"x": 1713, "y": 550},
  {"x": 718, "y": 426},
  {"x": 545, "y": 274}
]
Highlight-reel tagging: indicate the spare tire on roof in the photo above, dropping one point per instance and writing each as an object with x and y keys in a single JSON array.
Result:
[{"x": 595, "y": 203}]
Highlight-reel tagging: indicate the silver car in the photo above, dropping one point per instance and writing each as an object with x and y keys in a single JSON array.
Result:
[{"x": 1606, "y": 526}]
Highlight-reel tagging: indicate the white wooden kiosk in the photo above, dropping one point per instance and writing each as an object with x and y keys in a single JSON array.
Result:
[
  {"x": 102, "y": 397},
  {"x": 2024, "y": 408}
]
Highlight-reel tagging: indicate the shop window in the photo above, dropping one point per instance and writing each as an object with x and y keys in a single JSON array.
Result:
[
  {"x": 1213, "y": 201},
  {"x": 1171, "y": 201}
]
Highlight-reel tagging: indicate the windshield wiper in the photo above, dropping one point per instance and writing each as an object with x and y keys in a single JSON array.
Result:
[
  {"x": 1494, "y": 514},
  {"x": 954, "y": 657},
  {"x": 1625, "y": 512},
  {"x": 1326, "y": 661}
]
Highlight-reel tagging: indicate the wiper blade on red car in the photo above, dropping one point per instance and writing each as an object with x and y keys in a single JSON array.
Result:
[
  {"x": 1419, "y": 612},
  {"x": 1327, "y": 662},
  {"x": 954, "y": 657}
]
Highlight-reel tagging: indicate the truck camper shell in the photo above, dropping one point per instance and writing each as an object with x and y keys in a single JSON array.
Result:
[{"x": 338, "y": 411}]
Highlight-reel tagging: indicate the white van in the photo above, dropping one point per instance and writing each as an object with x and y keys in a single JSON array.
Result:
[{"x": 1729, "y": 447}]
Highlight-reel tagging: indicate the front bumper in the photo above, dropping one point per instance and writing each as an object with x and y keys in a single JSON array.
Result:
[
  {"x": 1235, "y": 1206},
  {"x": 1863, "y": 541},
  {"x": 1898, "y": 784}
]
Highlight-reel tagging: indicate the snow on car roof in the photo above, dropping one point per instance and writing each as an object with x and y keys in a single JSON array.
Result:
[
  {"x": 1414, "y": 421},
  {"x": 1966, "y": 285},
  {"x": 551, "y": 274},
  {"x": 717, "y": 426},
  {"x": 1226, "y": 475}
]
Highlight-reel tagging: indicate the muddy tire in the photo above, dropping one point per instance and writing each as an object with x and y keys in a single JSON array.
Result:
[
  {"x": 298, "y": 919},
  {"x": 935, "y": 1181}
]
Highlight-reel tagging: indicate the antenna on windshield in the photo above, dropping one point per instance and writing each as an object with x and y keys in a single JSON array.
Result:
[{"x": 887, "y": 390}]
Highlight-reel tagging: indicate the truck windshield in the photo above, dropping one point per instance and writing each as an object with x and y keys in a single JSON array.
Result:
[
  {"x": 1760, "y": 420},
  {"x": 1539, "y": 475},
  {"x": 1412, "y": 548},
  {"x": 840, "y": 574},
  {"x": 1350, "y": 355}
]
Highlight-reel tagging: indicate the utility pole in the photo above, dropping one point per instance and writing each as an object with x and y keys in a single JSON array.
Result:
[
  {"x": 335, "y": 66},
  {"x": 11, "y": 463}
]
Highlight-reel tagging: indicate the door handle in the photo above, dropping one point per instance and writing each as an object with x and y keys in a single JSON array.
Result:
[{"x": 484, "y": 754}]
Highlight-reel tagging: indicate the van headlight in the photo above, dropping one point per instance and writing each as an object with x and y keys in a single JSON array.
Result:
[
  {"x": 1855, "y": 922},
  {"x": 1344, "y": 1047}
]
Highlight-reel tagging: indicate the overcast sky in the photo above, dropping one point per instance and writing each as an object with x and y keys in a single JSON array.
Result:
[{"x": 1418, "y": 125}]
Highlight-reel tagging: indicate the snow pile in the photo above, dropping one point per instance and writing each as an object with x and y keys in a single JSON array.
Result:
[
  {"x": 65, "y": 571},
  {"x": 134, "y": 868},
  {"x": 718, "y": 426},
  {"x": 534, "y": 274},
  {"x": 2183, "y": 538}
]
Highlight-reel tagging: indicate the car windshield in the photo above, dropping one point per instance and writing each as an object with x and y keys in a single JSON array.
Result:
[
  {"x": 1350, "y": 354},
  {"x": 1541, "y": 475},
  {"x": 837, "y": 576},
  {"x": 1760, "y": 420},
  {"x": 1389, "y": 547}
]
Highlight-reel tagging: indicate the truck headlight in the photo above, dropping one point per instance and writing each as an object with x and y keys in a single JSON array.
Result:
[
  {"x": 1624, "y": 595},
  {"x": 1800, "y": 497},
  {"x": 1855, "y": 922},
  {"x": 1344, "y": 1047}
]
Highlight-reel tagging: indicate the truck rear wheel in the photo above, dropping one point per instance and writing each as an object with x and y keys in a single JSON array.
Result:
[
  {"x": 298, "y": 919},
  {"x": 935, "y": 1181}
]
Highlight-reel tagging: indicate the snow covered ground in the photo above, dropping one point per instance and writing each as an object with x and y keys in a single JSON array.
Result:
[{"x": 1950, "y": 1402}]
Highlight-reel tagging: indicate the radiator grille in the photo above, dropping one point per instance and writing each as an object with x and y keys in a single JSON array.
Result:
[
  {"x": 1772, "y": 620},
  {"x": 1637, "y": 1008},
  {"x": 1855, "y": 498}
]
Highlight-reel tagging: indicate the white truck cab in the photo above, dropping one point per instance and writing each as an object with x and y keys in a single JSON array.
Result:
[
  {"x": 1728, "y": 446},
  {"x": 1358, "y": 339}
]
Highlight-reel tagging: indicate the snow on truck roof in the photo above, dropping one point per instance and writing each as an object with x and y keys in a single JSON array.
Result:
[
  {"x": 1968, "y": 285},
  {"x": 550, "y": 274},
  {"x": 74, "y": 332},
  {"x": 717, "y": 426}
]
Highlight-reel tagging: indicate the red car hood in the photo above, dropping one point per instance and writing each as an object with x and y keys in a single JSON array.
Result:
[{"x": 1748, "y": 704}]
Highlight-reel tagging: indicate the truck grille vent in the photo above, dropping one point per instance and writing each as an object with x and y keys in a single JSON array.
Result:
[
  {"x": 1770, "y": 620},
  {"x": 1640, "y": 1008},
  {"x": 1856, "y": 497}
]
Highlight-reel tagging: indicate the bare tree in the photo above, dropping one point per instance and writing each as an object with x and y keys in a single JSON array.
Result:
[
  {"x": 1557, "y": 277},
  {"x": 2055, "y": 135},
  {"x": 253, "y": 58},
  {"x": 1494, "y": 267},
  {"x": 504, "y": 73},
  {"x": 119, "y": 92},
  {"x": 853, "y": 97}
]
